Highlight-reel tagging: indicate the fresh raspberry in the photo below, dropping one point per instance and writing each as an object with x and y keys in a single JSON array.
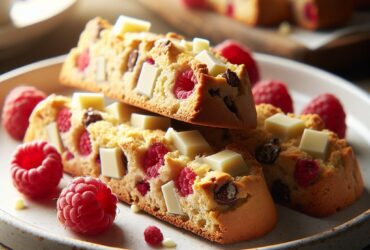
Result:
[
  {"x": 150, "y": 61},
  {"x": 236, "y": 53},
  {"x": 273, "y": 92},
  {"x": 64, "y": 120},
  {"x": 153, "y": 236},
  {"x": 36, "y": 169},
  {"x": 83, "y": 60},
  {"x": 185, "y": 83},
  {"x": 184, "y": 183},
  {"x": 310, "y": 12},
  {"x": 143, "y": 187},
  {"x": 195, "y": 4},
  {"x": 87, "y": 206},
  {"x": 84, "y": 144},
  {"x": 154, "y": 159},
  {"x": 305, "y": 172},
  {"x": 329, "y": 108},
  {"x": 17, "y": 109},
  {"x": 230, "y": 9}
]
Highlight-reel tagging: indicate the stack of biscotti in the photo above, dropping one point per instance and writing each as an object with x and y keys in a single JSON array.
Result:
[{"x": 175, "y": 176}]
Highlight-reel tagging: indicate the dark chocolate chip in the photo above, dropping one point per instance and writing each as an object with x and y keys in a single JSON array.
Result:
[
  {"x": 91, "y": 116},
  {"x": 132, "y": 58},
  {"x": 226, "y": 194},
  {"x": 280, "y": 192},
  {"x": 99, "y": 28},
  {"x": 125, "y": 162},
  {"x": 214, "y": 92},
  {"x": 225, "y": 134},
  {"x": 231, "y": 78},
  {"x": 230, "y": 104},
  {"x": 268, "y": 153}
]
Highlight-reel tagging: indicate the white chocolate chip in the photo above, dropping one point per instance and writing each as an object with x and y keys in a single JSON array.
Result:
[
  {"x": 54, "y": 137},
  {"x": 19, "y": 204},
  {"x": 88, "y": 100},
  {"x": 122, "y": 112},
  {"x": 190, "y": 143},
  {"x": 168, "y": 136},
  {"x": 135, "y": 208},
  {"x": 227, "y": 161},
  {"x": 147, "y": 78},
  {"x": 112, "y": 164},
  {"x": 171, "y": 199},
  {"x": 188, "y": 46},
  {"x": 101, "y": 74},
  {"x": 284, "y": 126},
  {"x": 129, "y": 24},
  {"x": 214, "y": 65},
  {"x": 150, "y": 121},
  {"x": 315, "y": 143},
  {"x": 168, "y": 243},
  {"x": 200, "y": 44}
]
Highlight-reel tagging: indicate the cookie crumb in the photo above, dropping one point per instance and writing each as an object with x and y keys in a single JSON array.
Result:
[
  {"x": 135, "y": 208},
  {"x": 168, "y": 243},
  {"x": 20, "y": 204}
]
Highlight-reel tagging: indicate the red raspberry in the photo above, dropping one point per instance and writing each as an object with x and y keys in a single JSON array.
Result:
[
  {"x": 69, "y": 156},
  {"x": 273, "y": 92},
  {"x": 83, "y": 60},
  {"x": 230, "y": 9},
  {"x": 329, "y": 108},
  {"x": 195, "y": 4},
  {"x": 84, "y": 144},
  {"x": 310, "y": 12},
  {"x": 153, "y": 236},
  {"x": 17, "y": 109},
  {"x": 184, "y": 85},
  {"x": 36, "y": 169},
  {"x": 143, "y": 187},
  {"x": 87, "y": 206},
  {"x": 64, "y": 120},
  {"x": 150, "y": 61},
  {"x": 184, "y": 183},
  {"x": 154, "y": 159},
  {"x": 305, "y": 172},
  {"x": 236, "y": 53}
]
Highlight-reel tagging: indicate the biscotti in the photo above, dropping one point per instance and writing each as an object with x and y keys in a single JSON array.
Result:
[
  {"x": 164, "y": 74},
  {"x": 175, "y": 176},
  {"x": 307, "y": 167}
]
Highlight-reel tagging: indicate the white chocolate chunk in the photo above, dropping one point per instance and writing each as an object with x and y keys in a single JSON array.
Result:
[
  {"x": 214, "y": 65},
  {"x": 122, "y": 112},
  {"x": 200, "y": 44},
  {"x": 315, "y": 143},
  {"x": 147, "y": 78},
  {"x": 284, "y": 126},
  {"x": 54, "y": 137},
  {"x": 227, "y": 161},
  {"x": 101, "y": 75},
  {"x": 88, "y": 100},
  {"x": 171, "y": 199},
  {"x": 20, "y": 204},
  {"x": 150, "y": 121},
  {"x": 169, "y": 135},
  {"x": 190, "y": 143},
  {"x": 129, "y": 24},
  {"x": 135, "y": 208},
  {"x": 188, "y": 46},
  {"x": 168, "y": 243},
  {"x": 111, "y": 162}
]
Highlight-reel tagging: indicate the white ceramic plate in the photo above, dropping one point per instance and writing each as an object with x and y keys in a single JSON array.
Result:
[
  {"x": 37, "y": 226},
  {"x": 29, "y": 20}
]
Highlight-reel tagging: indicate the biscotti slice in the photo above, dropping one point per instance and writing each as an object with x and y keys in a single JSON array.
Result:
[
  {"x": 307, "y": 167},
  {"x": 320, "y": 14},
  {"x": 254, "y": 12},
  {"x": 164, "y": 74},
  {"x": 175, "y": 176}
]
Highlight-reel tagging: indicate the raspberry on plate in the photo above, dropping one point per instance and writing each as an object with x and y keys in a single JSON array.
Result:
[
  {"x": 236, "y": 53},
  {"x": 153, "y": 236},
  {"x": 184, "y": 183},
  {"x": 154, "y": 159},
  {"x": 274, "y": 93},
  {"x": 36, "y": 169},
  {"x": 329, "y": 108},
  {"x": 17, "y": 109},
  {"x": 194, "y": 4},
  {"x": 87, "y": 206},
  {"x": 184, "y": 85}
]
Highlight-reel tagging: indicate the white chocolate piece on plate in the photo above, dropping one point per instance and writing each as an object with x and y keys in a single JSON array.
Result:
[
  {"x": 214, "y": 65},
  {"x": 150, "y": 121},
  {"x": 190, "y": 143},
  {"x": 147, "y": 78},
  {"x": 129, "y": 24},
  {"x": 284, "y": 126},
  {"x": 135, "y": 208},
  {"x": 169, "y": 243},
  {"x": 227, "y": 161},
  {"x": 122, "y": 112},
  {"x": 20, "y": 204},
  {"x": 112, "y": 164},
  {"x": 54, "y": 137},
  {"x": 171, "y": 199},
  {"x": 200, "y": 44},
  {"x": 101, "y": 74},
  {"x": 315, "y": 143},
  {"x": 88, "y": 100}
]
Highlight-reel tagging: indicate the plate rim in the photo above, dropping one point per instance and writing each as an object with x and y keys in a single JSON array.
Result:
[{"x": 358, "y": 220}]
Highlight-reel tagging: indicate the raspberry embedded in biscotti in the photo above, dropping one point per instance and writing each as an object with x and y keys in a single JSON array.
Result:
[
  {"x": 154, "y": 159},
  {"x": 87, "y": 206},
  {"x": 143, "y": 187},
  {"x": 36, "y": 169},
  {"x": 184, "y": 182},
  {"x": 310, "y": 12},
  {"x": 69, "y": 155},
  {"x": 306, "y": 171},
  {"x": 84, "y": 144},
  {"x": 150, "y": 60},
  {"x": 64, "y": 120},
  {"x": 184, "y": 84},
  {"x": 195, "y": 4},
  {"x": 153, "y": 236},
  {"x": 226, "y": 194},
  {"x": 230, "y": 9},
  {"x": 83, "y": 60},
  {"x": 268, "y": 153}
]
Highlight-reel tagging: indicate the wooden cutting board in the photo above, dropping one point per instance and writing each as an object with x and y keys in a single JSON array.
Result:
[{"x": 338, "y": 54}]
